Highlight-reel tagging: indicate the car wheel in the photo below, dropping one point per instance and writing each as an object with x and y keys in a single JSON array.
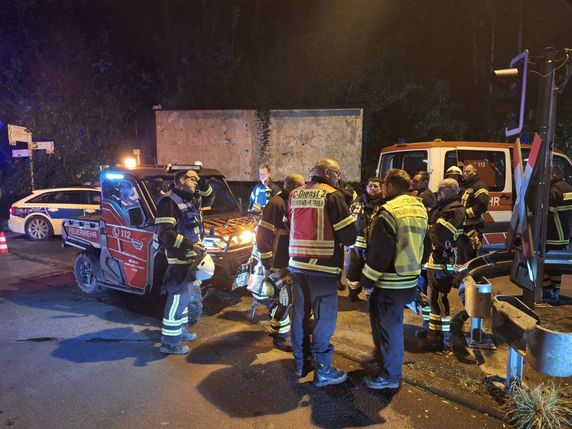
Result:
[
  {"x": 84, "y": 270},
  {"x": 39, "y": 228}
]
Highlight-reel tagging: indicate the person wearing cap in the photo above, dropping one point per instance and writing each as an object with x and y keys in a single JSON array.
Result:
[
  {"x": 262, "y": 191},
  {"x": 179, "y": 231}
]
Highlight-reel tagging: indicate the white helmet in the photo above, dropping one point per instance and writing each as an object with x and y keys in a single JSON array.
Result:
[{"x": 205, "y": 268}]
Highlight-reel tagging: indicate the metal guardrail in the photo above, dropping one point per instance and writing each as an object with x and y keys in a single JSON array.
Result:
[{"x": 545, "y": 350}]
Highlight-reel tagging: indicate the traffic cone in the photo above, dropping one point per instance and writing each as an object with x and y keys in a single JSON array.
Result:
[{"x": 3, "y": 244}]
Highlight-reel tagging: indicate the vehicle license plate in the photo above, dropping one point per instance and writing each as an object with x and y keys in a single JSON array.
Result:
[{"x": 242, "y": 277}]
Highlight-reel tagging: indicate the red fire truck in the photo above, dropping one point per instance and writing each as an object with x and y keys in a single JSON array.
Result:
[{"x": 118, "y": 250}]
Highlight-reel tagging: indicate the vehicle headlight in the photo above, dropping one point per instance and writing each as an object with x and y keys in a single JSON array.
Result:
[{"x": 246, "y": 237}]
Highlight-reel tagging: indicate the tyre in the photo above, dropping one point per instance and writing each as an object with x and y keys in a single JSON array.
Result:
[
  {"x": 84, "y": 270},
  {"x": 39, "y": 228}
]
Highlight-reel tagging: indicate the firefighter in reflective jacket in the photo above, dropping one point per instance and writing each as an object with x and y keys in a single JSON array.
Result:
[
  {"x": 362, "y": 209},
  {"x": 446, "y": 225},
  {"x": 557, "y": 230},
  {"x": 179, "y": 230},
  {"x": 272, "y": 252},
  {"x": 320, "y": 224},
  {"x": 262, "y": 191},
  {"x": 393, "y": 264},
  {"x": 475, "y": 199}
]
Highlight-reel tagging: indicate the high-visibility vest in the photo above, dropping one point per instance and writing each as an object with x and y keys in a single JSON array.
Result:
[
  {"x": 311, "y": 231},
  {"x": 406, "y": 216}
]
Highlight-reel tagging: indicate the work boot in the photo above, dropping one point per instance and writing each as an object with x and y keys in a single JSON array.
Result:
[
  {"x": 281, "y": 343},
  {"x": 302, "y": 367},
  {"x": 174, "y": 350},
  {"x": 189, "y": 336},
  {"x": 380, "y": 383},
  {"x": 341, "y": 286},
  {"x": 353, "y": 294},
  {"x": 326, "y": 375}
]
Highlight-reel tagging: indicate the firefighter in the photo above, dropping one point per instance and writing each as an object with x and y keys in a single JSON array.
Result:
[
  {"x": 320, "y": 225},
  {"x": 272, "y": 251},
  {"x": 179, "y": 230},
  {"x": 362, "y": 209},
  {"x": 393, "y": 264},
  {"x": 475, "y": 199},
  {"x": 420, "y": 185},
  {"x": 262, "y": 192},
  {"x": 446, "y": 225},
  {"x": 557, "y": 230},
  {"x": 455, "y": 173}
]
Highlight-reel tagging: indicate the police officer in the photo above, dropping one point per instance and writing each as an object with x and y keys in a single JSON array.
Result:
[
  {"x": 179, "y": 230},
  {"x": 475, "y": 199},
  {"x": 557, "y": 230},
  {"x": 393, "y": 264},
  {"x": 262, "y": 192},
  {"x": 272, "y": 251},
  {"x": 446, "y": 225},
  {"x": 362, "y": 209},
  {"x": 320, "y": 224}
]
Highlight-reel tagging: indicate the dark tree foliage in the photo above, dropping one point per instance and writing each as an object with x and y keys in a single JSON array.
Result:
[{"x": 86, "y": 73}]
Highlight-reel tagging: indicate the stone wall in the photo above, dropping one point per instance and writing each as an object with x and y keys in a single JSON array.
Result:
[{"x": 235, "y": 141}]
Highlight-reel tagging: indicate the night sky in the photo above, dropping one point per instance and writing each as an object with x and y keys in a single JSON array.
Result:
[{"x": 87, "y": 73}]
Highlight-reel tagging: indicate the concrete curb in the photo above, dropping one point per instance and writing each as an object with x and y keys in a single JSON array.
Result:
[{"x": 438, "y": 386}]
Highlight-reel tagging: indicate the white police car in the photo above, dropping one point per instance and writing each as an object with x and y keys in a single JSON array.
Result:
[{"x": 40, "y": 214}]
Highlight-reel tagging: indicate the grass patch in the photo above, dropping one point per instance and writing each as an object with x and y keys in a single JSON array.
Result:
[
  {"x": 469, "y": 383},
  {"x": 540, "y": 407}
]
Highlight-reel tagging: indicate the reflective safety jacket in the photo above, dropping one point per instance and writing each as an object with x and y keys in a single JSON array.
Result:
[
  {"x": 362, "y": 210},
  {"x": 475, "y": 199},
  {"x": 178, "y": 224},
  {"x": 272, "y": 234},
  {"x": 260, "y": 196},
  {"x": 395, "y": 243},
  {"x": 320, "y": 223},
  {"x": 446, "y": 225},
  {"x": 559, "y": 213}
]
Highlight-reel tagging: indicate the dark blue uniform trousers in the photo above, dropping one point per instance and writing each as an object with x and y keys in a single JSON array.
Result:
[
  {"x": 317, "y": 295},
  {"x": 386, "y": 316}
]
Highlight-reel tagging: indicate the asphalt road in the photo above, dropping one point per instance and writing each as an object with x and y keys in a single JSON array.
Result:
[{"x": 70, "y": 360}]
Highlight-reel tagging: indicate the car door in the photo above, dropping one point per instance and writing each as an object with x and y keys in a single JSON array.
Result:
[{"x": 127, "y": 263}]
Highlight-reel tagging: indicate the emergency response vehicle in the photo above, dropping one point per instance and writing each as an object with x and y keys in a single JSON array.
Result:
[
  {"x": 494, "y": 165},
  {"x": 118, "y": 248}
]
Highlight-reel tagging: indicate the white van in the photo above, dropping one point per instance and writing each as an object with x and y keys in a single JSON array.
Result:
[{"x": 494, "y": 164}]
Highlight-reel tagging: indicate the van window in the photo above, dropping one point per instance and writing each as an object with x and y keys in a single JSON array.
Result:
[
  {"x": 411, "y": 161},
  {"x": 557, "y": 161},
  {"x": 564, "y": 165},
  {"x": 122, "y": 195},
  {"x": 491, "y": 165}
]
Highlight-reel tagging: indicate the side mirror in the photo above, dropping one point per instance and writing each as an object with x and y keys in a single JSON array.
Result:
[{"x": 135, "y": 216}]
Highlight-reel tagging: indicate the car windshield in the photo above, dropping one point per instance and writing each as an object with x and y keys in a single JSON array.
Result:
[{"x": 224, "y": 201}]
